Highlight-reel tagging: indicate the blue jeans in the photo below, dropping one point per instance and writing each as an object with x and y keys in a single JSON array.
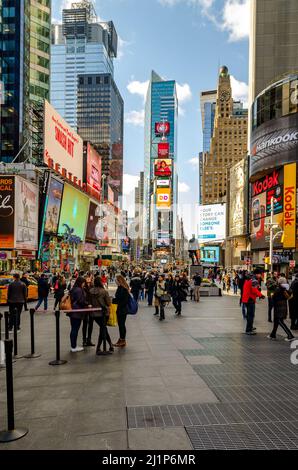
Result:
[
  {"x": 75, "y": 326},
  {"x": 40, "y": 301},
  {"x": 251, "y": 309},
  {"x": 244, "y": 310}
]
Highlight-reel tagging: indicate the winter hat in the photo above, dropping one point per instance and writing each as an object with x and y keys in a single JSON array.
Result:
[{"x": 282, "y": 280}]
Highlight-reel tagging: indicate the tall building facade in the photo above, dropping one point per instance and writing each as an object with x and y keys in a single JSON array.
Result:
[
  {"x": 137, "y": 234},
  {"x": 100, "y": 117},
  {"x": 228, "y": 144},
  {"x": 274, "y": 133},
  {"x": 24, "y": 70},
  {"x": 80, "y": 45},
  {"x": 208, "y": 106},
  {"x": 160, "y": 167}
]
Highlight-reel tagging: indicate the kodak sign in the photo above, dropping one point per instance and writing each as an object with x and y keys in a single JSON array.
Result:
[{"x": 290, "y": 206}]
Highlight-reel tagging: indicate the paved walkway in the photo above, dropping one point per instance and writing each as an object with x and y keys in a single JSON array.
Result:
[{"x": 190, "y": 382}]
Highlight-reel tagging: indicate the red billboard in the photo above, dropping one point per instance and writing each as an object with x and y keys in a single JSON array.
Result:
[
  {"x": 162, "y": 128},
  {"x": 92, "y": 173},
  {"x": 163, "y": 167},
  {"x": 163, "y": 150}
]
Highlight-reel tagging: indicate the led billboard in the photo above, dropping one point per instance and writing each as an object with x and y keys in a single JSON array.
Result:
[
  {"x": 212, "y": 222},
  {"x": 74, "y": 212},
  {"x": 163, "y": 167},
  {"x": 163, "y": 150},
  {"x": 53, "y": 206},
  {"x": 163, "y": 198},
  {"x": 26, "y": 214},
  {"x": 162, "y": 128},
  {"x": 7, "y": 211},
  {"x": 92, "y": 171}
]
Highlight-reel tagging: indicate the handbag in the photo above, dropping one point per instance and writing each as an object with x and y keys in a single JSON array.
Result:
[
  {"x": 65, "y": 303},
  {"x": 165, "y": 298},
  {"x": 112, "y": 321}
]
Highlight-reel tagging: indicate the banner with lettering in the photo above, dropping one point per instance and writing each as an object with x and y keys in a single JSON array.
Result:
[
  {"x": 7, "y": 212},
  {"x": 290, "y": 206}
]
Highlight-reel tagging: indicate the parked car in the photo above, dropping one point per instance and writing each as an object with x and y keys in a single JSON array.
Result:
[{"x": 6, "y": 280}]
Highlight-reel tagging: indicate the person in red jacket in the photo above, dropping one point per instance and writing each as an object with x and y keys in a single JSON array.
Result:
[{"x": 250, "y": 294}]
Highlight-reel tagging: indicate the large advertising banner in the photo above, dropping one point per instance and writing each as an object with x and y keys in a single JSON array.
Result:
[
  {"x": 210, "y": 254},
  {"x": 163, "y": 167},
  {"x": 290, "y": 206},
  {"x": 26, "y": 214},
  {"x": 7, "y": 211},
  {"x": 163, "y": 198},
  {"x": 163, "y": 150},
  {"x": 74, "y": 212},
  {"x": 53, "y": 206},
  {"x": 62, "y": 145},
  {"x": 274, "y": 143},
  {"x": 92, "y": 171},
  {"x": 162, "y": 128},
  {"x": 95, "y": 224},
  {"x": 212, "y": 222},
  {"x": 238, "y": 199}
]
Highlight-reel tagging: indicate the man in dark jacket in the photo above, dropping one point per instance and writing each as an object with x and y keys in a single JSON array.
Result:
[
  {"x": 16, "y": 298},
  {"x": 43, "y": 292},
  {"x": 135, "y": 285},
  {"x": 293, "y": 304},
  {"x": 149, "y": 286}
]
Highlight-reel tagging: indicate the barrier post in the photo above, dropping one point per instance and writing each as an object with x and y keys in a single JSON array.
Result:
[
  {"x": 58, "y": 361},
  {"x": 15, "y": 334},
  {"x": 6, "y": 323},
  {"x": 10, "y": 434},
  {"x": 33, "y": 354},
  {"x": 2, "y": 353}
]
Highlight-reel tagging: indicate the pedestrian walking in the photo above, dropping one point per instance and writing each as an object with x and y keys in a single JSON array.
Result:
[
  {"x": 249, "y": 296},
  {"x": 136, "y": 285},
  {"x": 78, "y": 302},
  {"x": 43, "y": 292},
  {"x": 59, "y": 289},
  {"x": 228, "y": 282},
  {"x": 177, "y": 294},
  {"x": 121, "y": 299},
  {"x": 87, "y": 318},
  {"x": 242, "y": 278},
  {"x": 16, "y": 298},
  {"x": 26, "y": 281},
  {"x": 150, "y": 283},
  {"x": 271, "y": 285},
  {"x": 280, "y": 297},
  {"x": 293, "y": 304},
  {"x": 235, "y": 283},
  {"x": 100, "y": 298},
  {"x": 160, "y": 292},
  {"x": 197, "y": 285}
]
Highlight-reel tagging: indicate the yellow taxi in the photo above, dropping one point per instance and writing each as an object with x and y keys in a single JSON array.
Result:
[{"x": 6, "y": 280}]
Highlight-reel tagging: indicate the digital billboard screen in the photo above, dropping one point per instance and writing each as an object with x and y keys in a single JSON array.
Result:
[
  {"x": 163, "y": 150},
  {"x": 162, "y": 128},
  {"x": 163, "y": 167},
  {"x": 125, "y": 244},
  {"x": 74, "y": 212},
  {"x": 212, "y": 222},
  {"x": 26, "y": 214},
  {"x": 53, "y": 207},
  {"x": 209, "y": 254},
  {"x": 94, "y": 231},
  {"x": 163, "y": 198},
  {"x": 92, "y": 171},
  {"x": 7, "y": 211}
]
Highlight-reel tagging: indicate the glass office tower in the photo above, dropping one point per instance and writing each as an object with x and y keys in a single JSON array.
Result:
[
  {"x": 100, "y": 121},
  {"x": 161, "y": 107},
  {"x": 80, "y": 45},
  {"x": 24, "y": 69},
  {"x": 208, "y": 105}
]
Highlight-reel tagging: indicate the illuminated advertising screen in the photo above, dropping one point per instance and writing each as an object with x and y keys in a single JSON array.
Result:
[
  {"x": 163, "y": 198},
  {"x": 163, "y": 242},
  {"x": 163, "y": 150},
  {"x": 162, "y": 128},
  {"x": 238, "y": 196},
  {"x": 210, "y": 254},
  {"x": 163, "y": 167},
  {"x": 62, "y": 145},
  {"x": 7, "y": 211},
  {"x": 26, "y": 214},
  {"x": 212, "y": 222},
  {"x": 92, "y": 171},
  {"x": 163, "y": 183},
  {"x": 164, "y": 221},
  {"x": 53, "y": 206},
  {"x": 94, "y": 231},
  {"x": 125, "y": 243},
  {"x": 74, "y": 212}
]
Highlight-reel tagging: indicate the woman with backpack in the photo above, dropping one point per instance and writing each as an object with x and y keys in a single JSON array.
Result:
[
  {"x": 280, "y": 297},
  {"x": 59, "y": 289},
  {"x": 78, "y": 302},
  {"x": 121, "y": 299},
  {"x": 99, "y": 297}
]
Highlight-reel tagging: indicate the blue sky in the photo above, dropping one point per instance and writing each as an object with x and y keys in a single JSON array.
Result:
[{"x": 185, "y": 40}]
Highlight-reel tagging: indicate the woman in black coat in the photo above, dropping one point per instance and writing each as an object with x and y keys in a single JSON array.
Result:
[
  {"x": 280, "y": 301},
  {"x": 121, "y": 299},
  {"x": 78, "y": 302},
  {"x": 178, "y": 294}
]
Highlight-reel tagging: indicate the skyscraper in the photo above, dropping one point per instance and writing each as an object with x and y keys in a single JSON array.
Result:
[
  {"x": 228, "y": 143},
  {"x": 80, "y": 45},
  {"x": 160, "y": 178},
  {"x": 24, "y": 70},
  {"x": 100, "y": 112},
  {"x": 208, "y": 105}
]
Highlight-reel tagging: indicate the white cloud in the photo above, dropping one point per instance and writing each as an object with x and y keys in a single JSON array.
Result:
[
  {"x": 130, "y": 182},
  {"x": 122, "y": 46},
  {"x": 240, "y": 91},
  {"x": 136, "y": 118},
  {"x": 194, "y": 162},
  {"x": 183, "y": 92},
  {"x": 138, "y": 88},
  {"x": 183, "y": 188},
  {"x": 236, "y": 15},
  {"x": 203, "y": 3}
]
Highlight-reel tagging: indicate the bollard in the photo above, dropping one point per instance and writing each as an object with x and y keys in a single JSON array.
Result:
[
  {"x": 15, "y": 335},
  {"x": 33, "y": 355},
  {"x": 6, "y": 320},
  {"x": 2, "y": 353},
  {"x": 58, "y": 361},
  {"x": 11, "y": 434}
]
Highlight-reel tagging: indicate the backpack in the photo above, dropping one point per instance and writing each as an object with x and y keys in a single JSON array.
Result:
[{"x": 132, "y": 306}]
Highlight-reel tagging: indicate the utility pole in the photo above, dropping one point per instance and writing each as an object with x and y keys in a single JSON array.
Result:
[
  {"x": 271, "y": 234},
  {"x": 102, "y": 198}
]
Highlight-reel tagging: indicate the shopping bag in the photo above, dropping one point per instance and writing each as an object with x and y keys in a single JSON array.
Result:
[
  {"x": 65, "y": 303},
  {"x": 112, "y": 321}
]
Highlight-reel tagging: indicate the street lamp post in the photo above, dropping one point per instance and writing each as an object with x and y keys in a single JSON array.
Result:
[
  {"x": 102, "y": 198},
  {"x": 271, "y": 234}
]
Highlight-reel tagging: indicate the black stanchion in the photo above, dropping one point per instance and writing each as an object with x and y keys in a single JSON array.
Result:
[
  {"x": 58, "y": 361},
  {"x": 33, "y": 354},
  {"x": 15, "y": 335},
  {"x": 2, "y": 356},
  {"x": 6, "y": 322},
  {"x": 11, "y": 434}
]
